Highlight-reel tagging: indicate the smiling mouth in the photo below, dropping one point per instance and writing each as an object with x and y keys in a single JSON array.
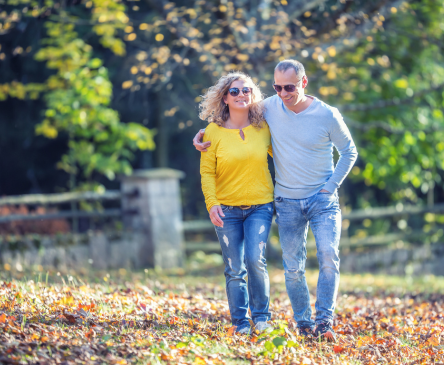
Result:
[{"x": 287, "y": 98}]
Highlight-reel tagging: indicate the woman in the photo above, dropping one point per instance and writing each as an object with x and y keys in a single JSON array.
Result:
[{"x": 238, "y": 193}]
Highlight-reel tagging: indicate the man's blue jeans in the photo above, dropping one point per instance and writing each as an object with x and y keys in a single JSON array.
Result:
[
  {"x": 322, "y": 212},
  {"x": 243, "y": 239}
]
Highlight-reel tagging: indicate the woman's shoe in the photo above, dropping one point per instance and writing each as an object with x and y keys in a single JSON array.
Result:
[
  {"x": 262, "y": 326},
  {"x": 244, "y": 331}
]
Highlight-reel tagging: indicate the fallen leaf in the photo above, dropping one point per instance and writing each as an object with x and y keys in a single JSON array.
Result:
[
  {"x": 199, "y": 360},
  {"x": 337, "y": 349},
  {"x": 72, "y": 318},
  {"x": 433, "y": 341},
  {"x": 231, "y": 330},
  {"x": 90, "y": 334}
]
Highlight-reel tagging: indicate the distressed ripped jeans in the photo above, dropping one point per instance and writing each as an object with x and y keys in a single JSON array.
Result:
[
  {"x": 243, "y": 240},
  {"x": 322, "y": 212}
]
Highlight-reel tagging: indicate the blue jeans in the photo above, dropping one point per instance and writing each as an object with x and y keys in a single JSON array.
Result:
[
  {"x": 243, "y": 240},
  {"x": 322, "y": 212}
]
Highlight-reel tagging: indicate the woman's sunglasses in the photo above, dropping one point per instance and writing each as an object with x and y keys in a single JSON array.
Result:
[{"x": 234, "y": 91}]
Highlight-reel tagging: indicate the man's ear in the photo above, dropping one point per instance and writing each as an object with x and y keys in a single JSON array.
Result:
[{"x": 304, "y": 81}]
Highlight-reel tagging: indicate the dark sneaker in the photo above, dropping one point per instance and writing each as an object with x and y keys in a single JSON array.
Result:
[
  {"x": 325, "y": 331},
  {"x": 306, "y": 332}
]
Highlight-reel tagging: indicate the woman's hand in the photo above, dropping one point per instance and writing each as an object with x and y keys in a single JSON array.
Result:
[{"x": 215, "y": 213}]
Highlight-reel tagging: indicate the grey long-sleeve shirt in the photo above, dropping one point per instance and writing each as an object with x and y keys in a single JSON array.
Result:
[{"x": 303, "y": 148}]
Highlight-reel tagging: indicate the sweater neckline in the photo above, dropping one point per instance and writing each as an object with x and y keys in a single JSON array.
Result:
[
  {"x": 234, "y": 130},
  {"x": 305, "y": 110}
]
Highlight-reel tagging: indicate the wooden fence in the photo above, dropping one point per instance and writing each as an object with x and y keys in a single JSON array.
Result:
[
  {"x": 346, "y": 242},
  {"x": 150, "y": 202},
  {"x": 204, "y": 225}
]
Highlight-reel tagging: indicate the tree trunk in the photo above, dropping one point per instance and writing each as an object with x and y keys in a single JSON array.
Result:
[{"x": 161, "y": 138}]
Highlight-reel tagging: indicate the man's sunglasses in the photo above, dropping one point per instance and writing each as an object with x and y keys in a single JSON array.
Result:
[
  {"x": 234, "y": 91},
  {"x": 288, "y": 88}
]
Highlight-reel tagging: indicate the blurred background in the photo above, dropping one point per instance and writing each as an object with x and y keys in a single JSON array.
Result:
[{"x": 93, "y": 89}]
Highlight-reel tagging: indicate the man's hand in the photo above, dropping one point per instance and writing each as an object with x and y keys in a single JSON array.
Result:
[
  {"x": 215, "y": 213},
  {"x": 324, "y": 191},
  {"x": 202, "y": 147}
]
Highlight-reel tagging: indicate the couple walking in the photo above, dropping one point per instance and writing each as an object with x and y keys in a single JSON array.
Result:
[{"x": 299, "y": 132}]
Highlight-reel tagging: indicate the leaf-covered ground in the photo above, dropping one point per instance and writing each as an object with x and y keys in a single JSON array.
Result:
[{"x": 183, "y": 318}]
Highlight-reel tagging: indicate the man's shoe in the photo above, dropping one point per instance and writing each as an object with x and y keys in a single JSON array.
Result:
[
  {"x": 325, "y": 331},
  {"x": 306, "y": 332},
  {"x": 262, "y": 326}
]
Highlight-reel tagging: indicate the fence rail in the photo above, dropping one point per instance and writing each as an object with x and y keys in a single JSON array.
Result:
[
  {"x": 369, "y": 213},
  {"x": 61, "y": 215},
  {"x": 397, "y": 210},
  {"x": 46, "y": 199},
  {"x": 361, "y": 214},
  {"x": 205, "y": 224}
]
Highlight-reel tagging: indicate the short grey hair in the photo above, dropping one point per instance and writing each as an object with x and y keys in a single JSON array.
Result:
[{"x": 285, "y": 65}]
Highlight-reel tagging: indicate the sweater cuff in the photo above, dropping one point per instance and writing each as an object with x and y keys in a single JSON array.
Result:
[
  {"x": 330, "y": 186},
  {"x": 212, "y": 204}
]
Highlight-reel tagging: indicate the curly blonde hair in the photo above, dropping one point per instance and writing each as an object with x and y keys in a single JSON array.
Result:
[{"x": 213, "y": 109}]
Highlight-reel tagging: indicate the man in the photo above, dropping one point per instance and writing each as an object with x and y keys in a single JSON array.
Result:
[{"x": 303, "y": 133}]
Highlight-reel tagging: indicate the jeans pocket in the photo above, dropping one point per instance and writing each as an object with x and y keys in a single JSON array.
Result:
[
  {"x": 323, "y": 196},
  {"x": 224, "y": 207}
]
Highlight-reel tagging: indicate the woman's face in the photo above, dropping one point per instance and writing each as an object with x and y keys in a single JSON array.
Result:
[{"x": 240, "y": 101}]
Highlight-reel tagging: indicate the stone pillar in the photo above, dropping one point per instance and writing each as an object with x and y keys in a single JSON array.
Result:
[{"x": 151, "y": 205}]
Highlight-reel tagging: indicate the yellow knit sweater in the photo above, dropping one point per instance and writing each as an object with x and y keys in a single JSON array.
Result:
[{"x": 235, "y": 171}]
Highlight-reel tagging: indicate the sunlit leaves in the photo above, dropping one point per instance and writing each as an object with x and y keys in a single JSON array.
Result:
[
  {"x": 356, "y": 54},
  {"x": 392, "y": 65},
  {"x": 127, "y": 84},
  {"x": 401, "y": 83},
  {"x": 78, "y": 106},
  {"x": 47, "y": 130}
]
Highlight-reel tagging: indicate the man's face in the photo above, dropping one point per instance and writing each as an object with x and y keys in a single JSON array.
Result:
[{"x": 289, "y": 77}]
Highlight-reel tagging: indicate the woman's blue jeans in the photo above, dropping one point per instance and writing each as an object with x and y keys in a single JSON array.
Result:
[{"x": 243, "y": 239}]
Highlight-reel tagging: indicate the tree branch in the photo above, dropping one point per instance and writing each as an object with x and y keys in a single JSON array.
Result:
[{"x": 362, "y": 29}]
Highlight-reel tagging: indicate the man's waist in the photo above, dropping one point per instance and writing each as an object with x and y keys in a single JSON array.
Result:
[{"x": 300, "y": 192}]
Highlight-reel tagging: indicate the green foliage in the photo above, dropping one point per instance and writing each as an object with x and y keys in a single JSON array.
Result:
[
  {"x": 379, "y": 63},
  {"x": 77, "y": 99},
  {"x": 78, "y": 96},
  {"x": 276, "y": 340},
  {"x": 382, "y": 69},
  {"x": 391, "y": 91}
]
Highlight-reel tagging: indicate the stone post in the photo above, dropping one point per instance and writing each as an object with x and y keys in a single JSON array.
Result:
[{"x": 151, "y": 205}]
